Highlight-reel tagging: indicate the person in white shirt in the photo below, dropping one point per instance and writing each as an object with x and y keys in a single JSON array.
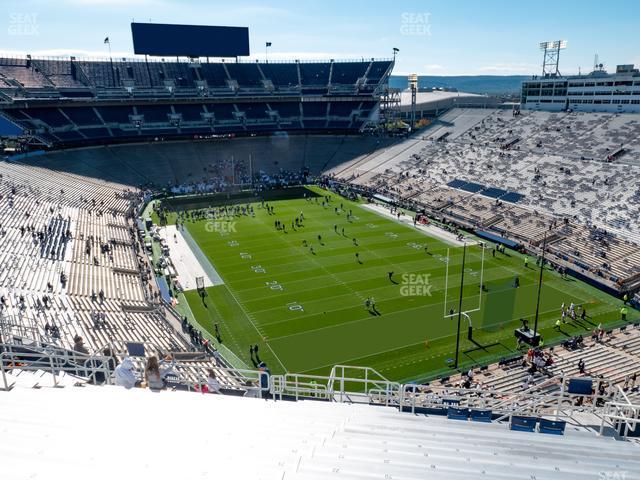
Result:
[{"x": 125, "y": 375}]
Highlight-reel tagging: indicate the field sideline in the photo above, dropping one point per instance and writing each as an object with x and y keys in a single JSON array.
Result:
[{"x": 306, "y": 311}]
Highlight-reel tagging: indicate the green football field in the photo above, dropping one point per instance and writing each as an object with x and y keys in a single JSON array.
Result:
[{"x": 307, "y": 311}]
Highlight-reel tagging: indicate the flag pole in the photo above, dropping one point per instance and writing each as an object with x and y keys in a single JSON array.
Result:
[{"x": 107, "y": 40}]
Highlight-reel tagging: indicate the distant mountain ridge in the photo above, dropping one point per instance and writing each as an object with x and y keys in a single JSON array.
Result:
[{"x": 489, "y": 84}]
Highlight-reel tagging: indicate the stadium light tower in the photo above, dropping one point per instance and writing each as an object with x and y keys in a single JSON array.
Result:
[
  {"x": 395, "y": 52},
  {"x": 413, "y": 85},
  {"x": 551, "y": 58}
]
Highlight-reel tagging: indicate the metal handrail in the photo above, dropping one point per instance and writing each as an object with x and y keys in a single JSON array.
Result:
[
  {"x": 625, "y": 411},
  {"x": 370, "y": 386},
  {"x": 53, "y": 363}
]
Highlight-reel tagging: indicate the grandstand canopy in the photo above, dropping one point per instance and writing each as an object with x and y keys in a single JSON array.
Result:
[{"x": 163, "y": 39}]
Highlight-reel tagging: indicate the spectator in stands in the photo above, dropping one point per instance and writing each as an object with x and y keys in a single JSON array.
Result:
[
  {"x": 78, "y": 345},
  {"x": 125, "y": 375},
  {"x": 265, "y": 374},
  {"x": 529, "y": 381},
  {"x": 152, "y": 374},
  {"x": 581, "y": 366},
  {"x": 111, "y": 363},
  {"x": 212, "y": 382}
]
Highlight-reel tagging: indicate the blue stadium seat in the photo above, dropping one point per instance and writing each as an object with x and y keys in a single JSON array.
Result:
[
  {"x": 154, "y": 113},
  {"x": 222, "y": 111},
  {"x": 348, "y": 73},
  {"x": 281, "y": 74},
  {"x": 339, "y": 123},
  {"x": 51, "y": 116},
  {"x": 315, "y": 74},
  {"x": 457, "y": 413},
  {"x": 286, "y": 109},
  {"x": 377, "y": 70},
  {"x": 116, "y": 114},
  {"x": 342, "y": 109},
  {"x": 246, "y": 74},
  {"x": 214, "y": 74},
  {"x": 523, "y": 424},
  {"x": 553, "y": 427},
  {"x": 70, "y": 135},
  {"x": 314, "y": 109},
  {"x": 189, "y": 112},
  {"x": 95, "y": 132},
  {"x": 82, "y": 115},
  {"x": 315, "y": 123},
  {"x": 480, "y": 415},
  {"x": 254, "y": 110}
]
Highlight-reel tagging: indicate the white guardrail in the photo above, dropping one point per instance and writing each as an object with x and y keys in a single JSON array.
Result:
[{"x": 349, "y": 384}]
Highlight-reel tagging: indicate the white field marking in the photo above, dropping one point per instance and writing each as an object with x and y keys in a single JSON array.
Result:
[
  {"x": 343, "y": 362},
  {"x": 385, "y": 287},
  {"x": 398, "y": 311},
  {"x": 295, "y": 307},
  {"x": 429, "y": 230},
  {"x": 250, "y": 318},
  {"x": 274, "y": 285},
  {"x": 322, "y": 267},
  {"x": 398, "y": 263},
  {"x": 233, "y": 338}
]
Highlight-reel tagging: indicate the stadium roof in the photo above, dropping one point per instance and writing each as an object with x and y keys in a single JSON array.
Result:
[{"x": 438, "y": 99}]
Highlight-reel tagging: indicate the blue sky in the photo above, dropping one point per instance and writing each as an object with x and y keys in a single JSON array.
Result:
[{"x": 452, "y": 37}]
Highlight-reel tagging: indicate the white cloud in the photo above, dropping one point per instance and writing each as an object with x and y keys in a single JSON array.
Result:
[{"x": 508, "y": 69}]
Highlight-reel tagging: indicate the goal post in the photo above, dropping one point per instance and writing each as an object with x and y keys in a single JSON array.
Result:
[{"x": 474, "y": 308}]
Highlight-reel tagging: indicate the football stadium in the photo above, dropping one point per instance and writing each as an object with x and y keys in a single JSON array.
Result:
[{"x": 335, "y": 276}]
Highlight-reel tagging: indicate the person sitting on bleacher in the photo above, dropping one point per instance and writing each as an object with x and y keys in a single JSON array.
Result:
[
  {"x": 125, "y": 375},
  {"x": 152, "y": 374},
  {"x": 78, "y": 345},
  {"x": 213, "y": 386}
]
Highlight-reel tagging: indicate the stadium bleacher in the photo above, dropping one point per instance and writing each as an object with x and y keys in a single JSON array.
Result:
[
  {"x": 117, "y": 90},
  {"x": 306, "y": 440},
  {"x": 556, "y": 175}
]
